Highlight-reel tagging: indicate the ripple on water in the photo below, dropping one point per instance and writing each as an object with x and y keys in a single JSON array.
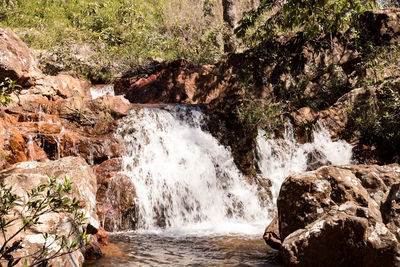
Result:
[{"x": 133, "y": 249}]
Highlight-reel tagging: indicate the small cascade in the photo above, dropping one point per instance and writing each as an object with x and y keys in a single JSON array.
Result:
[
  {"x": 99, "y": 91},
  {"x": 185, "y": 180},
  {"x": 278, "y": 158},
  {"x": 31, "y": 148}
]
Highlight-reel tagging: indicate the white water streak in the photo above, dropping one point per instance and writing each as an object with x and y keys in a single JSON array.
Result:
[
  {"x": 188, "y": 183},
  {"x": 184, "y": 178},
  {"x": 279, "y": 158}
]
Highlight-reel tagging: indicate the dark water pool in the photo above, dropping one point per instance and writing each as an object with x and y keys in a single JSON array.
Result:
[{"x": 133, "y": 249}]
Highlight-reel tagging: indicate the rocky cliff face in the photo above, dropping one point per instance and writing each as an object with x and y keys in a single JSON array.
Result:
[{"x": 51, "y": 119}]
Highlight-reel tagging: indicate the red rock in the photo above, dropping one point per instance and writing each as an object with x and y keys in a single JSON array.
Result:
[
  {"x": 102, "y": 237},
  {"x": 35, "y": 152},
  {"x": 116, "y": 194},
  {"x": 39, "y": 127},
  {"x": 16, "y": 61}
]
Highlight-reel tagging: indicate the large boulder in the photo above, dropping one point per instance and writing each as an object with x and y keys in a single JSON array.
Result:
[
  {"x": 116, "y": 195},
  {"x": 16, "y": 61},
  {"x": 340, "y": 216},
  {"x": 27, "y": 175}
]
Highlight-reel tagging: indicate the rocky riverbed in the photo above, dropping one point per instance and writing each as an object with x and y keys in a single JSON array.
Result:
[{"x": 325, "y": 215}]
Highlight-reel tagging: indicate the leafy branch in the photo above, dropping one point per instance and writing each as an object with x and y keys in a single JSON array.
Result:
[{"x": 51, "y": 197}]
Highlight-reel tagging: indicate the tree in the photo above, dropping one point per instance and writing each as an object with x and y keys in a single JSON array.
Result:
[
  {"x": 51, "y": 197},
  {"x": 313, "y": 17}
]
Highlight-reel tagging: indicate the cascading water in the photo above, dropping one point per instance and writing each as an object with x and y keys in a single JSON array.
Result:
[
  {"x": 195, "y": 207},
  {"x": 278, "y": 158},
  {"x": 186, "y": 182},
  {"x": 184, "y": 179}
]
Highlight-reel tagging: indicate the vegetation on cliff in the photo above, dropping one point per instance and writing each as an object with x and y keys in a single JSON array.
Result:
[{"x": 100, "y": 39}]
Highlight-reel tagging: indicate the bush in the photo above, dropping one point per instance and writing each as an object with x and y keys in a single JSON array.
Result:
[
  {"x": 6, "y": 89},
  {"x": 378, "y": 123},
  {"x": 119, "y": 33},
  {"x": 51, "y": 197},
  {"x": 274, "y": 17}
]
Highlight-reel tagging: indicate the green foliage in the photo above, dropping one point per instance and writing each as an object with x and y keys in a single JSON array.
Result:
[
  {"x": 6, "y": 89},
  {"x": 378, "y": 123},
  {"x": 117, "y": 34},
  {"x": 258, "y": 113},
  {"x": 51, "y": 197},
  {"x": 313, "y": 17}
]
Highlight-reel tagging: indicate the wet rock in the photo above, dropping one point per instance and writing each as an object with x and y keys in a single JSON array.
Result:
[
  {"x": 27, "y": 175},
  {"x": 271, "y": 234},
  {"x": 116, "y": 195},
  {"x": 14, "y": 145},
  {"x": 102, "y": 237},
  {"x": 93, "y": 251},
  {"x": 93, "y": 149},
  {"x": 16, "y": 61},
  {"x": 35, "y": 152},
  {"x": 340, "y": 216}
]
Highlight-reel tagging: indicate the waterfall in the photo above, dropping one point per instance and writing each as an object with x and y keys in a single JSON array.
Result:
[
  {"x": 278, "y": 158},
  {"x": 184, "y": 179},
  {"x": 187, "y": 183}
]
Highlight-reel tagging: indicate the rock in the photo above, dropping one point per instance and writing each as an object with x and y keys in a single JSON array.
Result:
[
  {"x": 62, "y": 85},
  {"x": 93, "y": 251},
  {"x": 271, "y": 234},
  {"x": 340, "y": 239},
  {"x": 336, "y": 118},
  {"x": 175, "y": 83},
  {"x": 16, "y": 61},
  {"x": 107, "y": 106},
  {"x": 390, "y": 210},
  {"x": 102, "y": 237},
  {"x": 27, "y": 175},
  {"x": 383, "y": 25},
  {"x": 328, "y": 216},
  {"x": 92, "y": 149},
  {"x": 304, "y": 116},
  {"x": 14, "y": 146},
  {"x": 116, "y": 195}
]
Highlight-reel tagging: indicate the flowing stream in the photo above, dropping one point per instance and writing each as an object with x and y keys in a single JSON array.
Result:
[{"x": 195, "y": 207}]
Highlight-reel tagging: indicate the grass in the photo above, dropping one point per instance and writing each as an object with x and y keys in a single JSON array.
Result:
[{"x": 119, "y": 34}]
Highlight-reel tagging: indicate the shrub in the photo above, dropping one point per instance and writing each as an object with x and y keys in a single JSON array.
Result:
[
  {"x": 313, "y": 17},
  {"x": 6, "y": 89},
  {"x": 51, "y": 197},
  {"x": 119, "y": 33}
]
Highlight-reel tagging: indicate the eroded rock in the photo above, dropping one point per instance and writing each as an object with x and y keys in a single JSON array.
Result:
[{"x": 340, "y": 216}]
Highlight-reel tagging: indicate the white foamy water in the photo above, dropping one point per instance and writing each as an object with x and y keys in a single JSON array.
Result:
[
  {"x": 185, "y": 180},
  {"x": 278, "y": 158},
  {"x": 105, "y": 90},
  {"x": 187, "y": 183}
]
